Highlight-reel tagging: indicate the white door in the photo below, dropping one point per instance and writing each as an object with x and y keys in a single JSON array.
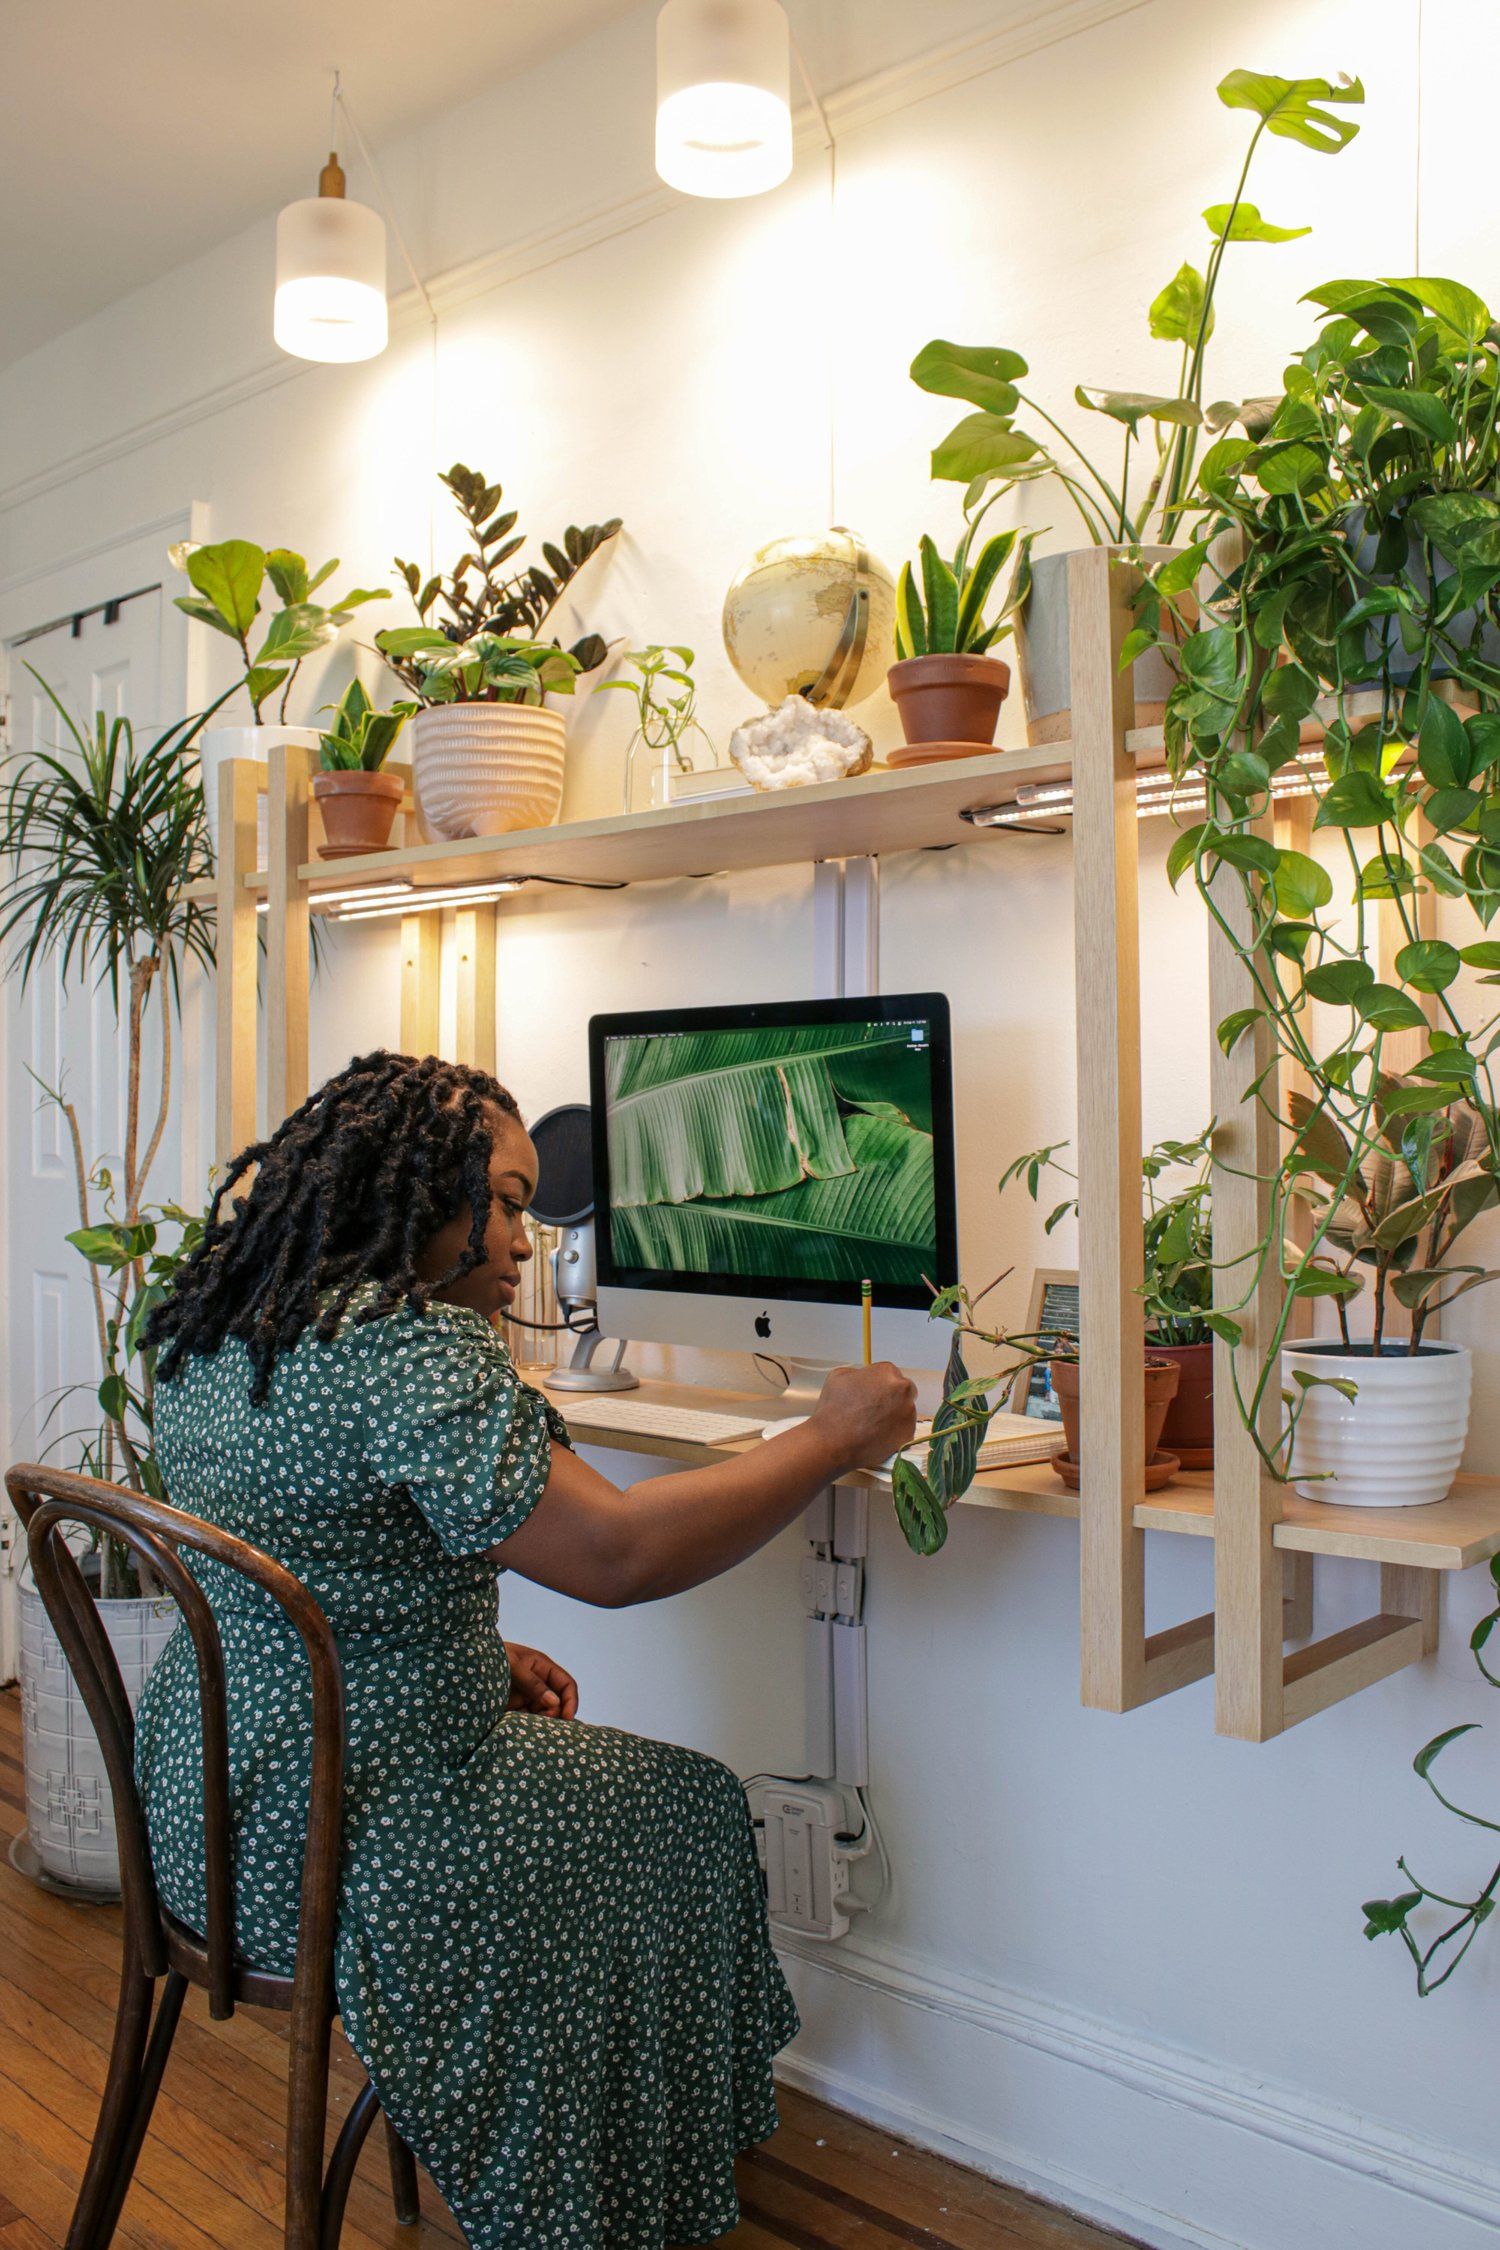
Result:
[{"x": 67, "y": 1037}]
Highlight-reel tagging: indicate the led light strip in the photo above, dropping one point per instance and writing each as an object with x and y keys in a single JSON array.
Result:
[
  {"x": 1155, "y": 792},
  {"x": 425, "y": 902}
]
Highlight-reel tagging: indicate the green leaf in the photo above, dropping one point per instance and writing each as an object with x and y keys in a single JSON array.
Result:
[
  {"x": 918, "y": 1509},
  {"x": 1428, "y": 964},
  {"x": 1354, "y": 800},
  {"x": 978, "y": 582},
  {"x": 1244, "y": 774},
  {"x": 1233, "y": 1028},
  {"x": 114, "y": 1398},
  {"x": 1484, "y": 955},
  {"x": 288, "y": 574},
  {"x": 1289, "y": 468},
  {"x": 941, "y": 590},
  {"x": 1422, "y": 411},
  {"x": 1455, "y": 306},
  {"x": 1184, "y": 851},
  {"x": 1318, "y": 1281},
  {"x": 1241, "y": 222},
  {"x": 1444, "y": 752},
  {"x": 105, "y": 1246},
  {"x": 982, "y": 445},
  {"x": 1384, "y": 1916},
  {"x": 911, "y": 620},
  {"x": 1385, "y": 1007},
  {"x": 984, "y": 374},
  {"x": 1425, "y": 1759},
  {"x": 1339, "y": 982},
  {"x": 1256, "y": 854},
  {"x": 1134, "y": 407},
  {"x": 1447, "y": 809},
  {"x": 1177, "y": 312},
  {"x": 1177, "y": 575},
  {"x": 1301, "y": 885},
  {"x": 230, "y": 575},
  {"x": 1295, "y": 108},
  {"x": 1226, "y": 1329}
]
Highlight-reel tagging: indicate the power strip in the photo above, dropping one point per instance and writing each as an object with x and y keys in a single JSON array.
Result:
[{"x": 807, "y": 1869}]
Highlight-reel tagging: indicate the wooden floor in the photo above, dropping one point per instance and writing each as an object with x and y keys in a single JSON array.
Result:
[{"x": 209, "y": 2178}]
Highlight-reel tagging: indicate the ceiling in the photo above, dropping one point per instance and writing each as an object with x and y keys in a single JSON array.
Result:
[{"x": 135, "y": 136}]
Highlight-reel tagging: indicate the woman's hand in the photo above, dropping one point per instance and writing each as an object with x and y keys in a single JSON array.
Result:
[
  {"x": 537, "y": 1684},
  {"x": 867, "y": 1413}
]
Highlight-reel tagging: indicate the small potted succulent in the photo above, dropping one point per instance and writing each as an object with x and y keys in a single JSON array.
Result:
[
  {"x": 232, "y": 580},
  {"x": 946, "y": 685},
  {"x": 356, "y": 797},
  {"x": 992, "y": 450},
  {"x": 487, "y": 756}
]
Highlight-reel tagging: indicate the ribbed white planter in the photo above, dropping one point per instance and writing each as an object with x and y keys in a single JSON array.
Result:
[
  {"x": 1398, "y": 1442},
  {"x": 69, "y": 1815},
  {"x": 216, "y": 744},
  {"x": 483, "y": 769}
]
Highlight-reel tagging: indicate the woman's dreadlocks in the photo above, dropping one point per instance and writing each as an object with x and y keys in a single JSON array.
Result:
[{"x": 351, "y": 1189}]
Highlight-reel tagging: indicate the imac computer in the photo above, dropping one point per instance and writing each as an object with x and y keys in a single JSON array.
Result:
[{"x": 754, "y": 1165}]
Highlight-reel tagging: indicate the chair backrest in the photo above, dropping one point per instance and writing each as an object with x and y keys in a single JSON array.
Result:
[{"x": 48, "y": 1501}]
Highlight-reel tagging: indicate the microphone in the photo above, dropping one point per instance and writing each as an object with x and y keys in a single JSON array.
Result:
[{"x": 564, "y": 1199}]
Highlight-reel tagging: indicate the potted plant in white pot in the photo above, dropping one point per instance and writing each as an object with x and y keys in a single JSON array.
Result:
[
  {"x": 992, "y": 451},
  {"x": 946, "y": 685},
  {"x": 357, "y": 798},
  {"x": 99, "y": 844},
  {"x": 487, "y": 755},
  {"x": 1371, "y": 493},
  {"x": 231, "y": 580}
]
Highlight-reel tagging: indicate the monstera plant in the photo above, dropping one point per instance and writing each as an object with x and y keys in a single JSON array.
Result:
[{"x": 1010, "y": 438}]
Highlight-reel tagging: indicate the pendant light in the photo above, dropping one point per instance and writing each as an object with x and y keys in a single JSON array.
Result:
[
  {"x": 330, "y": 275},
  {"x": 723, "y": 96}
]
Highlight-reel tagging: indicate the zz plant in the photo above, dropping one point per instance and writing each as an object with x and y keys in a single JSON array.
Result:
[
  {"x": 479, "y": 594},
  {"x": 1009, "y": 437}
]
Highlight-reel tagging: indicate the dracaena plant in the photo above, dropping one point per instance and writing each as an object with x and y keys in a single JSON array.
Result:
[
  {"x": 480, "y": 594},
  {"x": 230, "y": 581},
  {"x": 948, "y": 612},
  {"x": 1349, "y": 553},
  {"x": 1010, "y": 438},
  {"x": 102, "y": 840}
]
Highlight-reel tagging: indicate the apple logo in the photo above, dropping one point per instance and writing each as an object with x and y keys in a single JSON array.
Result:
[{"x": 762, "y": 1324}]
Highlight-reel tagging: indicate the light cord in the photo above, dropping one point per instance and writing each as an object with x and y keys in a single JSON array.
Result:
[
  {"x": 1416, "y": 222},
  {"x": 831, "y": 144}
]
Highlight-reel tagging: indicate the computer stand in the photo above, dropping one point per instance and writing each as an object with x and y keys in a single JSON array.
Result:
[
  {"x": 805, "y": 1380},
  {"x": 581, "y": 1374}
]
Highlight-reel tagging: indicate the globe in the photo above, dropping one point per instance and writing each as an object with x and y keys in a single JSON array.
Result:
[{"x": 812, "y": 615}]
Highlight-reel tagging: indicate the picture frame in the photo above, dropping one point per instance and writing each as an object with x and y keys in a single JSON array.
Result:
[{"x": 1051, "y": 1311}]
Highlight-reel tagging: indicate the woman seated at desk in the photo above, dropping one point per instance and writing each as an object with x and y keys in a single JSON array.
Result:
[{"x": 552, "y": 1953}]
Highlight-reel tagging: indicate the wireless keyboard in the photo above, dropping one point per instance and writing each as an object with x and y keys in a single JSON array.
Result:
[{"x": 643, "y": 1418}]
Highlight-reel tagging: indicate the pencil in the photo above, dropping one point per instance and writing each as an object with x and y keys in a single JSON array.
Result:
[{"x": 864, "y": 1308}]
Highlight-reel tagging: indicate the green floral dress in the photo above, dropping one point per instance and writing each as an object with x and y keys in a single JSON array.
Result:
[{"x": 552, "y": 1955}]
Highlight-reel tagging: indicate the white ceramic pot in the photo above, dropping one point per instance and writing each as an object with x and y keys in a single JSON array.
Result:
[
  {"x": 483, "y": 769},
  {"x": 1398, "y": 1442},
  {"x": 216, "y": 744},
  {"x": 1043, "y": 653},
  {"x": 70, "y": 1818}
]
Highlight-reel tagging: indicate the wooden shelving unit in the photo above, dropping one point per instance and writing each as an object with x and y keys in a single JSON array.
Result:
[{"x": 1264, "y": 1537}]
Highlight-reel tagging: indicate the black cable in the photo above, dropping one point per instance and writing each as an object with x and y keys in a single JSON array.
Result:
[{"x": 773, "y": 1361}]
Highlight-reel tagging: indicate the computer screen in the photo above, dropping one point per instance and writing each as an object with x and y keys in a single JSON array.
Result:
[{"x": 787, "y": 1151}]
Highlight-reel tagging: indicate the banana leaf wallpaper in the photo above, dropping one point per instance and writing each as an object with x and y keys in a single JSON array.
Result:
[{"x": 793, "y": 1152}]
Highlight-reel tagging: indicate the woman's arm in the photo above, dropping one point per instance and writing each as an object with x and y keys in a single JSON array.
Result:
[{"x": 587, "y": 1538}]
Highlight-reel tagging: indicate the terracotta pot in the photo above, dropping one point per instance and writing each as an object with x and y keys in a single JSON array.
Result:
[
  {"x": 359, "y": 811},
  {"x": 949, "y": 705},
  {"x": 1188, "y": 1430},
  {"x": 1160, "y": 1376}
]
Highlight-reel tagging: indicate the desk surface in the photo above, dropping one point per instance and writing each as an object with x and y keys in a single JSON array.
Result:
[{"x": 1452, "y": 1534}]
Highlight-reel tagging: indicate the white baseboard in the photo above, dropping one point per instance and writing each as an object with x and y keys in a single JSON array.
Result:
[{"x": 1175, "y": 2149}]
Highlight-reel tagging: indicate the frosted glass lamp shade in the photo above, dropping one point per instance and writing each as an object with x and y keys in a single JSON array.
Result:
[
  {"x": 723, "y": 96},
  {"x": 330, "y": 280}
]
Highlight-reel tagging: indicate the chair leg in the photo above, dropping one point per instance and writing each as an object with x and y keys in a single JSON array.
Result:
[
  {"x": 403, "y": 2178},
  {"x": 340, "y": 2174},
  {"x": 137, "y": 2057}
]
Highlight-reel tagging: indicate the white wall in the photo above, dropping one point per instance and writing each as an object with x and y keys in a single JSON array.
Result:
[{"x": 1121, "y": 1959}]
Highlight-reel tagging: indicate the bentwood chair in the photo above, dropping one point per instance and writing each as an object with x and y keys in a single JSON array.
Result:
[{"x": 157, "y": 1947}]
